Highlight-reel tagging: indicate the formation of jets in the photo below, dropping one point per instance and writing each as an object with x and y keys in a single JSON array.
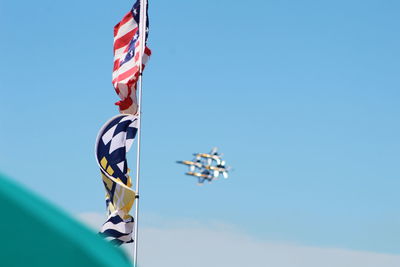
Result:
[{"x": 206, "y": 166}]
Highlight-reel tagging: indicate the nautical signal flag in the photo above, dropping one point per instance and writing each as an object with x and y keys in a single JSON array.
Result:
[
  {"x": 113, "y": 142},
  {"x": 127, "y": 52}
]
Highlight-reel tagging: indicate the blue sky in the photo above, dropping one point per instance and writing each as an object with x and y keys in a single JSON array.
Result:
[{"x": 301, "y": 97}]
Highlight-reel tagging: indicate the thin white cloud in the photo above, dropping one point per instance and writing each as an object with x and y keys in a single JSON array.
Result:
[{"x": 195, "y": 245}]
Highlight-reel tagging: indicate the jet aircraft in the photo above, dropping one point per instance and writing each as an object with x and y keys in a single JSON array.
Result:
[{"x": 207, "y": 166}]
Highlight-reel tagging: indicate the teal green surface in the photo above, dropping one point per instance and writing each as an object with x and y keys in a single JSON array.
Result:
[{"x": 35, "y": 233}]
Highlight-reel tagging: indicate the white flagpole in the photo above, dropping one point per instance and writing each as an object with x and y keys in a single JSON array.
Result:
[{"x": 142, "y": 40}]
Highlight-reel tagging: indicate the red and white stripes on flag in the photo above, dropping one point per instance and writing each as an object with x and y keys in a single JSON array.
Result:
[{"x": 126, "y": 57}]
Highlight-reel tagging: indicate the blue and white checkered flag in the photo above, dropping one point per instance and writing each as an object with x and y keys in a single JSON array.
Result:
[{"x": 113, "y": 142}]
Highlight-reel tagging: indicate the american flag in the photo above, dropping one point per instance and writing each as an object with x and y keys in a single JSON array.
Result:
[{"x": 126, "y": 56}]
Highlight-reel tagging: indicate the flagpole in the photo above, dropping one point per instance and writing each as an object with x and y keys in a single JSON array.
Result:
[
  {"x": 142, "y": 32},
  {"x": 135, "y": 244}
]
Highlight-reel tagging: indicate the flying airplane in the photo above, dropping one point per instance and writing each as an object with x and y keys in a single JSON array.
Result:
[
  {"x": 203, "y": 176},
  {"x": 192, "y": 164},
  {"x": 213, "y": 155},
  {"x": 207, "y": 166}
]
